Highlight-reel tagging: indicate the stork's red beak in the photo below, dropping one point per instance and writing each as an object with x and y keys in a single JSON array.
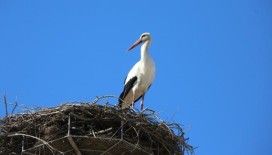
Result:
[{"x": 139, "y": 41}]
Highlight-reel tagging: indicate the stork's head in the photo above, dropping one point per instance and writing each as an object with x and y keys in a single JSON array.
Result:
[{"x": 143, "y": 38}]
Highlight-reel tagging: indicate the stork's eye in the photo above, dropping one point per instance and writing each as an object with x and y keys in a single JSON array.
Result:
[{"x": 144, "y": 35}]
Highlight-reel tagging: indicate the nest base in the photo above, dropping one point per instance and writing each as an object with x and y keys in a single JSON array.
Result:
[{"x": 90, "y": 129}]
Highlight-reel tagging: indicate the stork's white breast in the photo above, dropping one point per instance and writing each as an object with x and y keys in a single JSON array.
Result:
[{"x": 145, "y": 72}]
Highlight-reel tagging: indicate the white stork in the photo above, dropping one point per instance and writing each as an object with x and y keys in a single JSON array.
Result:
[{"x": 140, "y": 77}]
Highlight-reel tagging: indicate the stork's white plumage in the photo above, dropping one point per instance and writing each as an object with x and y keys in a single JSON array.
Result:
[{"x": 140, "y": 77}]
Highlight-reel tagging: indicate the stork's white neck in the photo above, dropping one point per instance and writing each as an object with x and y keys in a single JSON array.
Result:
[{"x": 144, "y": 50}]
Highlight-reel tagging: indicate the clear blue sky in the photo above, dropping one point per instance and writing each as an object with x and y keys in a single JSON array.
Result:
[{"x": 213, "y": 58}]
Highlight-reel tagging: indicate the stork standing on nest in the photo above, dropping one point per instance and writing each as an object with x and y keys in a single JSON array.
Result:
[{"x": 140, "y": 77}]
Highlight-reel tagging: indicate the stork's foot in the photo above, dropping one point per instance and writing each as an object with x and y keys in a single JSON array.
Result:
[
  {"x": 142, "y": 103},
  {"x": 142, "y": 110},
  {"x": 132, "y": 107}
]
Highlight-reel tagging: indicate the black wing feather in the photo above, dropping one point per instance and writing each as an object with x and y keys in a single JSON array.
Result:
[{"x": 127, "y": 88}]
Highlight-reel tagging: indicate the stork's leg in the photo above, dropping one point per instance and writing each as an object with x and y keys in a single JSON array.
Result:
[
  {"x": 142, "y": 102},
  {"x": 132, "y": 102}
]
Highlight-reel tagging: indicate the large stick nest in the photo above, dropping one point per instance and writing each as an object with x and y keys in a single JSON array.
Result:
[{"x": 90, "y": 129}]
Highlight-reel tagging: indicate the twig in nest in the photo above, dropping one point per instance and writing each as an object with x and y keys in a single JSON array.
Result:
[
  {"x": 102, "y": 97},
  {"x": 138, "y": 139},
  {"x": 70, "y": 138},
  {"x": 105, "y": 152},
  {"x": 41, "y": 140},
  {"x": 6, "y": 104},
  {"x": 122, "y": 125},
  {"x": 102, "y": 131},
  {"x": 15, "y": 106}
]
